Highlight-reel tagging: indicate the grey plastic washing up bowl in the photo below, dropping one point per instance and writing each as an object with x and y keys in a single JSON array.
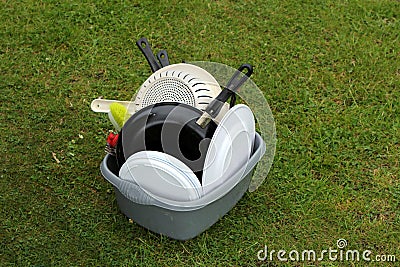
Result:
[{"x": 184, "y": 220}]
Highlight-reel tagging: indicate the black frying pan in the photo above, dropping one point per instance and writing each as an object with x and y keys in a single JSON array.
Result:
[
  {"x": 168, "y": 127},
  {"x": 174, "y": 128}
]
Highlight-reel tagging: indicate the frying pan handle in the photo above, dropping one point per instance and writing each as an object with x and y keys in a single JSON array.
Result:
[
  {"x": 232, "y": 86},
  {"x": 163, "y": 58},
  {"x": 235, "y": 82},
  {"x": 145, "y": 47},
  {"x": 233, "y": 100}
]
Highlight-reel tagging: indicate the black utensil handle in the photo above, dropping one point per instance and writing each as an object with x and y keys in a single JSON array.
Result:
[
  {"x": 233, "y": 100},
  {"x": 145, "y": 47},
  {"x": 235, "y": 82},
  {"x": 232, "y": 86},
  {"x": 163, "y": 58}
]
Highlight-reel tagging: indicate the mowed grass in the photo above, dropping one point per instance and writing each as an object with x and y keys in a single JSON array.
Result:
[{"x": 330, "y": 71}]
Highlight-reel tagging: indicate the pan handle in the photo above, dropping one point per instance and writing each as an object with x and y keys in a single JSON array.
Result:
[
  {"x": 163, "y": 58},
  {"x": 145, "y": 47},
  {"x": 238, "y": 79},
  {"x": 235, "y": 82}
]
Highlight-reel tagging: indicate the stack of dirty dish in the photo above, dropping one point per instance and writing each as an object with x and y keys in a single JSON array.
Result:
[{"x": 185, "y": 156}]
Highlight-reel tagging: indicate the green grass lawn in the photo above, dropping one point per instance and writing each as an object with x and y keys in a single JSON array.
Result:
[{"x": 330, "y": 71}]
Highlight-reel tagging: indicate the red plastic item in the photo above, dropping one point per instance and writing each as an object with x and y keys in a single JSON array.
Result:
[{"x": 112, "y": 139}]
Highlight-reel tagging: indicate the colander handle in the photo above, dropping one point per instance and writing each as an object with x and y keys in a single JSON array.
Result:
[{"x": 145, "y": 47}]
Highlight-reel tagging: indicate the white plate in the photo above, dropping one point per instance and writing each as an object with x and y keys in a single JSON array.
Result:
[
  {"x": 162, "y": 176},
  {"x": 230, "y": 147}
]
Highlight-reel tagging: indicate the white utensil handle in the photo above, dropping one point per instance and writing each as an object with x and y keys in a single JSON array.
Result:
[{"x": 103, "y": 105}]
